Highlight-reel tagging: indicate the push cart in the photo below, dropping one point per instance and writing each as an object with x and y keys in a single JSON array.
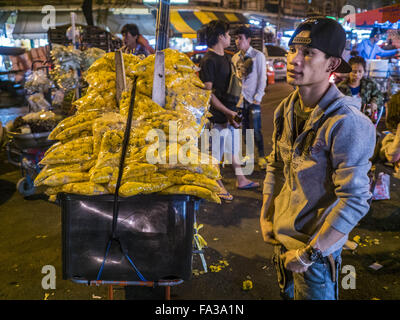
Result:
[
  {"x": 26, "y": 151},
  {"x": 143, "y": 240},
  {"x": 154, "y": 245}
]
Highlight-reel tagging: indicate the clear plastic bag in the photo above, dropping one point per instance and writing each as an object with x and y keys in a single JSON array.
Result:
[
  {"x": 38, "y": 81},
  {"x": 89, "y": 56},
  {"x": 75, "y": 130},
  {"x": 133, "y": 169},
  {"x": 85, "y": 188},
  {"x": 52, "y": 191},
  {"x": 53, "y": 169},
  {"x": 186, "y": 107},
  {"x": 58, "y": 97},
  {"x": 103, "y": 175},
  {"x": 66, "y": 58},
  {"x": 101, "y": 81},
  {"x": 41, "y": 115},
  {"x": 133, "y": 188},
  {"x": 194, "y": 191},
  {"x": 75, "y": 151},
  {"x": 201, "y": 180},
  {"x": 107, "y": 63},
  {"x": 63, "y": 178},
  {"x": 108, "y": 122},
  {"x": 382, "y": 187},
  {"x": 37, "y": 102}
]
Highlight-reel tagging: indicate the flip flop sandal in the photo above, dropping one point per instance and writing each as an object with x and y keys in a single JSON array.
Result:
[
  {"x": 225, "y": 196},
  {"x": 251, "y": 185}
]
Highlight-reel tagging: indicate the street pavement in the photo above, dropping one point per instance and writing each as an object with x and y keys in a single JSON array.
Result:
[{"x": 30, "y": 239}]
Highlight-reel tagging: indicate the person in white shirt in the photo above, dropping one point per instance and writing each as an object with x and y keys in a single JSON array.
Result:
[
  {"x": 251, "y": 65},
  {"x": 369, "y": 49}
]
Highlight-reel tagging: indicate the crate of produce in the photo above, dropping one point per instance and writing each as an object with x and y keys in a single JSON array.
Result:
[
  {"x": 154, "y": 231},
  {"x": 58, "y": 35}
]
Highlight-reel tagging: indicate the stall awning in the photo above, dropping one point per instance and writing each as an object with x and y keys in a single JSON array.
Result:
[
  {"x": 11, "y": 51},
  {"x": 382, "y": 15},
  {"x": 185, "y": 23},
  {"x": 145, "y": 22},
  {"x": 29, "y": 24}
]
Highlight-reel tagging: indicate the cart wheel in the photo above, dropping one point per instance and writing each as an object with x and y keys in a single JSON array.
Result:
[{"x": 25, "y": 188}]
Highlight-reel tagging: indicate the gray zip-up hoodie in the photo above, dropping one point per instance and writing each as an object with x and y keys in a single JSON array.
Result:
[{"x": 326, "y": 181}]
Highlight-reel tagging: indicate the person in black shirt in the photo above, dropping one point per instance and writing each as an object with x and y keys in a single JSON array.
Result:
[{"x": 215, "y": 73}]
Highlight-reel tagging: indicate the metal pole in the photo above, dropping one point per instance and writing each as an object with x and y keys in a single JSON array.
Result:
[
  {"x": 262, "y": 35},
  {"x": 162, "y": 28},
  {"x": 75, "y": 45},
  {"x": 167, "y": 293},
  {"x": 110, "y": 292},
  {"x": 278, "y": 27},
  {"x": 158, "y": 93}
]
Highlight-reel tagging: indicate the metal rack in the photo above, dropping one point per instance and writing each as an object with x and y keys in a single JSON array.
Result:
[{"x": 91, "y": 36}]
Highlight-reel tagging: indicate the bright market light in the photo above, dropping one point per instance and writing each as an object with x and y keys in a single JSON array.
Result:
[
  {"x": 288, "y": 33},
  {"x": 200, "y": 47},
  {"x": 130, "y": 10},
  {"x": 255, "y": 22},
  {"x": 347, "y": 27}
]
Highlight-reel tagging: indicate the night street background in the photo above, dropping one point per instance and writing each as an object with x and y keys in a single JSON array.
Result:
[{"x": 30, "y": 238}]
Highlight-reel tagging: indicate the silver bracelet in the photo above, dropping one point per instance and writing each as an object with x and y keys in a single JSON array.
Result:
[{"x": 301, "y": 261}]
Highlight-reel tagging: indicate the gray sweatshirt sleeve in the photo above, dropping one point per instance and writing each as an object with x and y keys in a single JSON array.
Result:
[
  {"x": 353, "y": 142},
  {"x": 274, "y": 161}
]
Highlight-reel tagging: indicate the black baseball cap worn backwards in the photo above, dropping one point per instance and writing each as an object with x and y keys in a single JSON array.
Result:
[{"x": 324, "y": 34}]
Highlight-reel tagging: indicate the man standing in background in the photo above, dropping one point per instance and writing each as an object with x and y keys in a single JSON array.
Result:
[
  {"x": 216, "y": 73},
  {"x": 369, "y": 49},
  {"x": 252, "y": 69}
]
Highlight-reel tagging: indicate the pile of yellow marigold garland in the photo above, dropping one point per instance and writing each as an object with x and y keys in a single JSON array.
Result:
[{"x": 85, "y": 160}]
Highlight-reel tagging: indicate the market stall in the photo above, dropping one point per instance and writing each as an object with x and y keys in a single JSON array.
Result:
[
  {"x": 386, "y": 71},
  {"x": 111, "y": 183},
  {"x": 49, "y": 92}
]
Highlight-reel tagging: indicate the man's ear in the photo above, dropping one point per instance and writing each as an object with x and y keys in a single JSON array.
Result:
[{"x": 334, "y": 63}]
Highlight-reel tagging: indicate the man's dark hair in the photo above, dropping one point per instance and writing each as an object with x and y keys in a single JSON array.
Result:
[
  {"x": 213, "y": 30},
  {"x": 358, "y": 60},
  {"x": 131, "y": 28},
  {"x": 354, "y": 53},
  {"x": 243, "y": 30}
]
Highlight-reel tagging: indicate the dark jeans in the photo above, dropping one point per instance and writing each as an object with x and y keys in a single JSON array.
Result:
[
  {"x": 314, "y": 284},
  {"x": 252, "y": 120}
]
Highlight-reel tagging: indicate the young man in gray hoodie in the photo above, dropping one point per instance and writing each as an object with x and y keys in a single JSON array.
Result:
[{"x": 322, "y": 145}]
